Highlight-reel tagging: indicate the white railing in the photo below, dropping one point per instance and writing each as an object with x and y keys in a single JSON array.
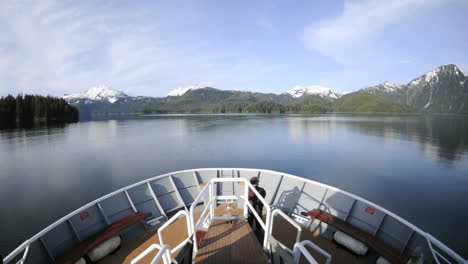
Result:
[
  {"x": 429, "y": 237},
  {"x": 165, "y": 251},
  {"x": 207, "y": 208},
  {"x": 300, "y": 248},
  {"x": 164, "y": 254},
  {"x": 292, "y": 222},
  {"x": 21, "y": 261},
  {"x": 214, "y": 198},
  {"x": 170, "y": 221}
]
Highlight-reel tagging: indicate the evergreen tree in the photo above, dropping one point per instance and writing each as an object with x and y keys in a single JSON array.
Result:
[{"x": 36, "y": 108}]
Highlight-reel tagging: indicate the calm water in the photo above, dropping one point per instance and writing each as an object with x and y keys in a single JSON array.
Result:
[{"x": 414, "y": 166}]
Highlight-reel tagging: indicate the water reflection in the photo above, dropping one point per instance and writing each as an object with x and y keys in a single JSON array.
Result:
[
  {"x": 444, "y": 138},
  {"x": 62, "y": 168},
  {"x": 312, "y": 130}
]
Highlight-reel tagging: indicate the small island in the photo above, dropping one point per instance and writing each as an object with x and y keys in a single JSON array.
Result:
[{"x": 33, "y": 109}]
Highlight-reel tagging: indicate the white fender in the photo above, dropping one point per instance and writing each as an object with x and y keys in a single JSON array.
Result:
[
  {"x": 80, "y": 261},
  {"x": 352, "y": 244},
  {"x": 104, "y": 249},
  {"x": 382, "y": 260}
]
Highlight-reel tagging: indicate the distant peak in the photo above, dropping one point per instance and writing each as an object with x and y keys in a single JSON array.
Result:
[
  {"x": 322, "y": 91},
  {"x": 385, "y": 86},
  {"x": 434, "y": 74},
  {"x": 182, "y": 90},
  {"x": 100, "y": 92}
]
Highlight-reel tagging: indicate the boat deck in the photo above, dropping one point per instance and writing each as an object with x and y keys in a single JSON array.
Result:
[
  {"x": 141, "y": 239},
  {"x": 230, "y": 242}
]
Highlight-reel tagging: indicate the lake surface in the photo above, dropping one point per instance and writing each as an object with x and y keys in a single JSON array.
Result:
[{"x": 415, "y": 166}]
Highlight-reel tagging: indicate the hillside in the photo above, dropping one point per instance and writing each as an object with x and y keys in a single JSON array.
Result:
[
  {"x": 360, "y": 102},
  {"x": 310, "y": 104},
  {"x": 212, "y": 100}
]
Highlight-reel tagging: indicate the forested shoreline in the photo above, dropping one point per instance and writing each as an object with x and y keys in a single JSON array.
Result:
[
  {"x": 36, "y": 109},
  {"x": 209, "y": 100}
]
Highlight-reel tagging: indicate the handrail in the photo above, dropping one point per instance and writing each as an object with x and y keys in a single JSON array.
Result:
[
  {"x": 212, "y": 202},
  {"x": 265, "y": 224},
  {"x": 170, "y": 221},
  {"x": 430, "y": 239},
  {"x": 299, "y": 247},
  {"x": 285, "y": 216},
  {"x": 439, "y": 244},
  {"x": 25, "y": 254},
  {"x": 207, "y": 206},
  {"x": 162, "y": 254}
]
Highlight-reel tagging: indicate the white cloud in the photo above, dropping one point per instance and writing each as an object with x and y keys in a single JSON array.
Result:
[
  {"x": 353, "y": 31},
  {"x": 60, "y": 48}
]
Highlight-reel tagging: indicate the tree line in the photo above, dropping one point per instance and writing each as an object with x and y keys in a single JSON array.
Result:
[
  {"x": 269, "y": 107},
  {"x": 36, "y": 108}
]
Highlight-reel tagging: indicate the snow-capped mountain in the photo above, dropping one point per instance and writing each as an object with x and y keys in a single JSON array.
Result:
[
  {"x": 386, "y": 87},
  {"x": 182, "y": 90},
  {"x": 442, "y": 90},
  {"x": 98, "y": 93},
  {"x": 433, "y": 76},
  {"x": 394, "y": 92},
  {"x": 324, "y": 92}
]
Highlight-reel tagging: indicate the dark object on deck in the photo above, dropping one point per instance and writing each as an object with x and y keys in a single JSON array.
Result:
[
  {"x": 378, "y": 245},
  {"x": 84, "y": 247},
  {"x": 185, "y": 254},
  {"x": 256, "y": 204},
  {"x": 230, "y": 243}
]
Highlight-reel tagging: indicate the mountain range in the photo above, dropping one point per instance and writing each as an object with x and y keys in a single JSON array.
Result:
[{"x": 443, "y": 90}]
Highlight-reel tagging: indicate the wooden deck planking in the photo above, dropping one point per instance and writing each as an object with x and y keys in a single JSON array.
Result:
[
  {"x": 173, "y": 235},
  {"x": 230, "y": 242}
]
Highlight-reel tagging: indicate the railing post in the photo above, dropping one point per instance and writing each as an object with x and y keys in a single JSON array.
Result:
[
  {"x": 177, "y": 193},
  {"x": 266, "y": 239},
  {"x": 432, "y": 250},
  {"x": 130, "y": 201},
  {"x": 246, "y": 200},
  {"x": 103, "y": 214},
  {"x": 213, "y": 196},
  {"x": 158, "y": 205},
  {"x": 210, "y": 197}
]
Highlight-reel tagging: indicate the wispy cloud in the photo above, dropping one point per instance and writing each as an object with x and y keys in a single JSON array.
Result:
[
  {"x": 59, "y": 48},
  {"x": 353, "y": 31},
  {"x": 264, "y": 23}
]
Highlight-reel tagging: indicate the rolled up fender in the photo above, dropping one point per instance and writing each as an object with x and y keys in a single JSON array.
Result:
[
  {"x": 104, "y": 248},
  {"x": 351, "y": 243},
  {"x": 80, "y": 261}
]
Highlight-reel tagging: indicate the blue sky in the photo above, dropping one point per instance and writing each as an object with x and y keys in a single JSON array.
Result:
[{"x": 152, "y": 47}]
